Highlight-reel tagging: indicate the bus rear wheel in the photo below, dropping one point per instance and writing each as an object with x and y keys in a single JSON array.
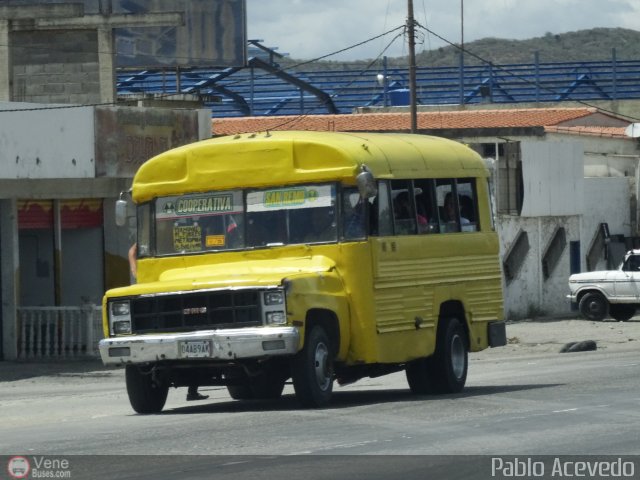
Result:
[
  {"x": 146, "y": 394},
  {"x": 418, "y": 376},
  {"x": 446, "y": 370}
]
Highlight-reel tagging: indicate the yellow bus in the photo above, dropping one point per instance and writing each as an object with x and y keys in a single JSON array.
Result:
[{"x": 319, "y": 257}]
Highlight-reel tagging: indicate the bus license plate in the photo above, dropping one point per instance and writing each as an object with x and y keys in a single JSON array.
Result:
[{"x": 195, "y": 349}]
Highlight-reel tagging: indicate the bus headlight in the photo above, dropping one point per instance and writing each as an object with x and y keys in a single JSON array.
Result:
[
  {"x": 274, "y": 298},
  {"x": 120, "y": 317},
  {"x": 121, "y": 327},
  {"x": 276, "y": 318},
  {"x": 274, "y": 308}
]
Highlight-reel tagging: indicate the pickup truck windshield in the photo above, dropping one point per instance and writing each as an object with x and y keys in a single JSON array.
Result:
[{"x": 243, "y": 219}]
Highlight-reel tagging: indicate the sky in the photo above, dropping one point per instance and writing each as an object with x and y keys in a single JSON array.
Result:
[{"x": 308, "y": 29}]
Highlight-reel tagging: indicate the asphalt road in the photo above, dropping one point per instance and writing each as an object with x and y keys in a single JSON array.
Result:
[{"x": 524, "y": 399}]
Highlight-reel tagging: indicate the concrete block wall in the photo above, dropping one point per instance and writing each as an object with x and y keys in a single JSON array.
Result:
[{"x": 55, "y": 67}]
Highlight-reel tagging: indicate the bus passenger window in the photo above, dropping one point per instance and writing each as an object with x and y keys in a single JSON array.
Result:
[
  {"x": 468, "y": 204},
  {"x": 404, "y": 218},
  {"x": 385, "y": 225},
  {"x": 427, "y": 214},
  {"x": 457, "y": 205},
  {"x": 447, "y": 206}
]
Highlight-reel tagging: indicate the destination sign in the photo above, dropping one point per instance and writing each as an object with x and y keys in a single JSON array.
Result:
[{"x": 307, "y": 196}]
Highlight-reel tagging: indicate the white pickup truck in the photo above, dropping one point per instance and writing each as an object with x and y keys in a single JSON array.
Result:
[{"x": 608, "y": 292}]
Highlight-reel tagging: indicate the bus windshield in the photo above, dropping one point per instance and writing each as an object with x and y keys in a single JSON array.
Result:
[{"x": 243, "y": 219}]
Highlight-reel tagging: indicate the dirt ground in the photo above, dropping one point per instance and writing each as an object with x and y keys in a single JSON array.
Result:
[{"x": 550, "y": 335}]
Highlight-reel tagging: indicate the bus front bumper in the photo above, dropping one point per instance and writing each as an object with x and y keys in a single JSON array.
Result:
[{"x": 221, "y": 345}]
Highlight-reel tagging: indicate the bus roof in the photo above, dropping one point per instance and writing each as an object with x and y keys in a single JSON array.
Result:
[{"x": 287, "y": 157}]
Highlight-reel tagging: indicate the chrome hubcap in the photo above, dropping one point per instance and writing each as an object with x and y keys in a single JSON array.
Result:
[
  {"x": 457, "y": 356},
  {"x": 321, "y": 366}
]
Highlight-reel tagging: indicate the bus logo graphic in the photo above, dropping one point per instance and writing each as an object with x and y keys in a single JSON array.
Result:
[{"x": 18, "y": 467}]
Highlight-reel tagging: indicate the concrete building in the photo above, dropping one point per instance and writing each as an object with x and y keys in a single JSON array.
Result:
[
  {"x": 565, "y": 184},
  {"x": 66, "y": 153}
]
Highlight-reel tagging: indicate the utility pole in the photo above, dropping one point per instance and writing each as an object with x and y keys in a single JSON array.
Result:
[
  {"x": 461, "y": 52},
  {"x": 412, "y": 68}
]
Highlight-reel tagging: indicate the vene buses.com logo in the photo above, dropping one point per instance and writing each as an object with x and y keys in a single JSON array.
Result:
[{"x": 18, "y": 467}]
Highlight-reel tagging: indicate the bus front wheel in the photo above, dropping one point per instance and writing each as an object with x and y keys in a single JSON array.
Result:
[
  {"x": 146, "y": 395},
  {"x": 312, "y": 370}
]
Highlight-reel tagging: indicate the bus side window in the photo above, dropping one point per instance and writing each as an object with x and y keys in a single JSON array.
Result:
[
  {"x": 385, "y": 226},
  {"x": 427, "y": 213},
  {"x": 404, "y": 216},
  {"x": 467, "y": 200},
  {"x": 447, "y": 206}
]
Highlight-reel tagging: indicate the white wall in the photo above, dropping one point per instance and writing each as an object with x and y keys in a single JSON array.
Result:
[
  {"x": 553, "y": 177},
  {"x": 41, "y": 143},
  {"x": 606, "y": 200}
]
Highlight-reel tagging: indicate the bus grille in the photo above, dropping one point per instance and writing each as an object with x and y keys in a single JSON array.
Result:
[{"x": 195, "y": 311}]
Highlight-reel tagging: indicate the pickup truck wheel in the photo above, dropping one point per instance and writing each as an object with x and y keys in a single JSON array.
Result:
[
  {"x": 622, "y": 313},
  {"x": 312, "y": 370},
  {"x": 594, "y": 306},
  {"x": 146, "y": 395}
]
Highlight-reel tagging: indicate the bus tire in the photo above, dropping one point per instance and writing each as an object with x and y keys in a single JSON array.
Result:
[
  {"x": 240, "y": 392},
  {"x": 417, "y": 373},
  {"x": 448, "y": 365},
  {"x": 145, "y": 395},
  {"x": 312, "y": 370},
  {"x": 267, "y": 385}
]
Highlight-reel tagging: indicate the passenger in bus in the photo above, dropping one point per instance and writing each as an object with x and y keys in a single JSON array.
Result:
[
  {"x": 450, "y": 210},
  {"x": 402, "y": 211},
  {"x": 321, "y": 227},
  {"x": 401, "y": 207},
  {"x": 466, "y": 208}
]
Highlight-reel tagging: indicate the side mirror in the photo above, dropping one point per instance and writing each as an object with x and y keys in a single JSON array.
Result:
[
  {"x": 121, "y": 211},
  {"x": 366, "y": 183}
]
